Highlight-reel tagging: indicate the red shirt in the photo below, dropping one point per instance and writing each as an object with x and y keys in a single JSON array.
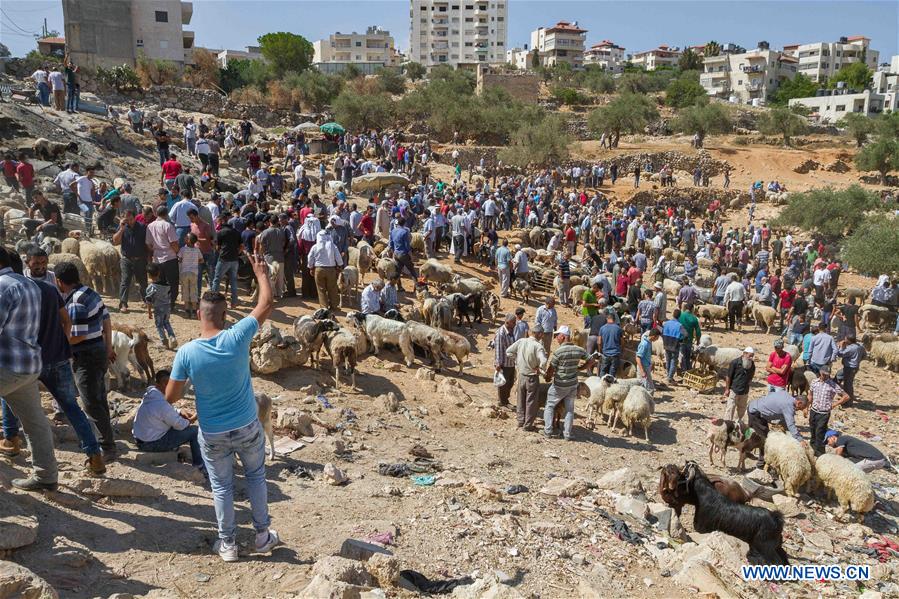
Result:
[
  {"x": 786, "y": 298},
  {"x": 9, "y": 168},
  {"x": 202, "y": 230},
  {"x": 633, "y": 275},
  {"x": 171, "y": 169},
  {"x": 367, "y": 225},
  {"x": 140, "y": 218},
  {"x": 25, "y": 171},
  {"x": 304, "y": 212},
  {"x": 621, "y": 285},
  {"x": 779, "y": 380},
  {"x": 569, "y": 234}
]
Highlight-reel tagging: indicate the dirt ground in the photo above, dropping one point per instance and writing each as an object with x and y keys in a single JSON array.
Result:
[{"x": 162, "y": 546}]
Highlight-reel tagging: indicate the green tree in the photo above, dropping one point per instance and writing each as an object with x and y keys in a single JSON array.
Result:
[
  {"x": 286, "y": 51},
  {"x": 830, "y": 212},
  {"x": 633, "y": 82},
  {"x": 887, "y": 125},
  {"x": 799, "y": 86},
  {"x": 390, "y": 81},
  {"x": 414, "y": 70},
  {"x": 359, "y": 112},
  {"x": 350, "y": 72},
  {"x": 542, "y": 144},
  {"x": 702, "y": 120},
  {"x": 628, "y": 113},
  {"x": 241, "y": 73},
  {"x": 712, "y": 48},
  {"x": 535, "y": 59},
  {"x": 596, "y": 79},
  {"x": 882, "y": 155},
  {"x": 689, "y": 60},
  {"x": 855, "y": 75},
  {"x": 569, "y": 96},
  {"x": 685, "y": 92},
  {"x": 858, "y": 126},
  {"x": 782, "y": 121},
  {"x": 315, "y": 89},
  {"x": 873, "y": 248}
]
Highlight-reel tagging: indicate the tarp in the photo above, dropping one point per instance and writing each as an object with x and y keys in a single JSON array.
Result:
[
  {"x": 332, "y": 129},
  {"x": 378, "y": 181},
  {"x": 307, "y": 126}
]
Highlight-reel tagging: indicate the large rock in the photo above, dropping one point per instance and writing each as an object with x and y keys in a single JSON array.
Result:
[
  {"x": 565, "y": 487},
  {"x": 623, "y": 481},
  {"x": 323, "y": 588},
  {"x": 341, "y": 569},
  {"x": 631, "y": 506},
  {"x": 355, "y": 549},
  {"x": 385, "y": 569},
  {"x": 17, "y": 530},
  {"x": 788, "y": 506},
  {"x": 296, "y": 421},
  {"x": 19, "y": 581},
  {"x": 667, "y": 520},
  {"x": 704, "y": 577},
  {"x": 486, "y": 589},
  {"x": 389, "y": 402}
]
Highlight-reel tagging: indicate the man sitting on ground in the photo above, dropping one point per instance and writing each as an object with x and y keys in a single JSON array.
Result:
[{"x": 159, "y": 427}]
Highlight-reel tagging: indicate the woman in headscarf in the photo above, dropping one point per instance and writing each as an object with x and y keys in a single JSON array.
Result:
[{"x": 305, "y": 240}]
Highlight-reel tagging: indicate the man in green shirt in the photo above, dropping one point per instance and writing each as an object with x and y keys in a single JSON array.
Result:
[
  {"x": 563, "y": 366},
  {"x": 691, "y": 323},
  {"x": 590, "y": 303}
]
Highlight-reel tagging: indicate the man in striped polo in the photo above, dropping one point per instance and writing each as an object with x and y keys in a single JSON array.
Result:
[
  {"x": 91, "y": 340},
  {"x": 566, "y": 360}
]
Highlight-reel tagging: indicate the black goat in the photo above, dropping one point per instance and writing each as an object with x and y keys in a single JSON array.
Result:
[
  {"x": 762, "y": 529},
  {"x": 468, "y": 307},
  {"x": 394, "y": 314}
]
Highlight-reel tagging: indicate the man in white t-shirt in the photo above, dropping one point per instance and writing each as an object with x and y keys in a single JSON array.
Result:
[
  {"x": 58, "y": 85},
  {"x": 43, "y": 89},
  {"x": 298, "y": 172},
  {"x": 84, "y": 187}
]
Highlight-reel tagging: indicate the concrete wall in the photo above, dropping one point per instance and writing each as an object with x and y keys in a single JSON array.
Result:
[
  {"x": 523, "y": 86},
  {"x": 160, "y": 40},
  {"x": 99, "y": 32}
]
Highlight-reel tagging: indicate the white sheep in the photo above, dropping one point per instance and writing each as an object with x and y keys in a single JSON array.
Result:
[
  {"x": 847, "y": 481},
  {"x": 435, "y": 272},
  {"x": 886, "y": 353},
  {"x": 717, "y": 358},
  {"x": 429, "y": 339},
  {"x": 55, "y": 259},
  {"x": 348, "y": 283},
  {"x": 417, "y": 243},
  {"x": 52, "y": 150},
  {"x": 382, "y": 331},
  {"x": 671, "y": 287},
  {"x": 70, "y": 245},
  {"x": 614, "y": 399},
  {"x": 764, "y": 316},
  {"x": 711, "y": 313},
  {"x": 794, "y": 351},
  {"x": 103, "y": 263},
  {"x": 593, "y": 389},
  {"x": 467, "y": 286},
  {"x": 361, "y": 257},
  {"x": 387, "y": 268},
  {"x": 457, "y": 346},
  {"x": 341, "y": 346},
  {"x": 637, "y": 408},
  {"x": 122, "y": 348},
  {"x": 786, "y": 455}
]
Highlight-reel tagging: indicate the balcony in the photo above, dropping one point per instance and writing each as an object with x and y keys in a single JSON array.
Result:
[
  {"x": 440, "y": 23},
  {"x": 712, "y": 81},
  {"x": 440, "y": 45},
  {"x": 755, "y": 68},
  {"x": 188, "y": 38},
  {"x": 187, "y": 12},
  {"x": 755, "y": 86},
  {"x": 715, "y": 59}
]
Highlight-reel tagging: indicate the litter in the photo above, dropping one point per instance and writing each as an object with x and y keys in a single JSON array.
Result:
[
  {"x": 420, "y": 451},
  {"x": 381, "y": 538},
  {"x": 883, "y": 415},
  {"x": 324, "y": 401},
  {"x": 620, "y": 528},
  {"x": 302, "y": 472},
  {"x": 516, "y": 489},
  {"x": 424, "y": 480},
  {"x": 437, "y": 587},
  {"x": 398, "y": 470},
  {"x": 286, "y": 445}
]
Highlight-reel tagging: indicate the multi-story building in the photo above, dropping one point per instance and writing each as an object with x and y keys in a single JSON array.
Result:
[
  {"x": 831, "y": 105},
  {"x": 607, "y": 55},
  {"x": 251, "y": 53},
  {"x": 821, "y": 60},
  {"x": 458, "y": 32},
  {"x": 650, "y": 60},
  {"x": 747, "y": 78},
  {"x": 519, "y": 58},
  {"x": 112, "y": 32},
  {"x": 371, "y": 50},
  {"x": 562, "y": 43}
]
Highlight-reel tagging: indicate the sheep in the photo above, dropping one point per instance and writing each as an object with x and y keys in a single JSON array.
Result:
[
  {"x": 521, "y": 288},
  {"x": 785, "y": 454},
  {"x": 860, "y": 295},
  {"x": 311, "y": 334},
  {"x": 794, "y": 350},
  {"x": 711, "y": 313},
  {"x": 103, "y": 263},
  {"x": 764, "y": 316},
  {"x": 440, "y": 315},
  {"x": 637, "y": 408},
  {"x": 535, "y": 236},
  {"x": 671, "y": 287},
  {"x": 55, "y": 259},
  {"x": 875, "y": 317},
  {"x": 575, "y": 295},
  {"x": 467, "y": 306},
  {"x": 387, "y": 268},
  {"x": 467, "y": 285},
  {"x": 417, "y": 243},
  {"x": 668, "y": 491},
  {"x": 491, "y": 305},
  {"x": 457, "y": 346},
  {"x": 847, "y": 481},
  {"x": 430, "y": 340},
  {"x": 70, "y": 245},
  {"x": 762, "y": 529},
  {"x": 140, "y": 355},
  {"x": 882, "y": 351},
  {"x": 614, "y": 399},
  {"x": 544, "y": 257},
  {"x": 380, "y": 331},
  {"x": 361, "y": 257},
  {"x": 52, "y": 150},
  {"x": 435, "y": 272},
  {"x": 51, "y": 245},
  {"x": 341, "y": 346},
  {"x": 717, "y": 358},
  {"x": 722, "y": 434},
  {"x": 579, "y": 337},
  {"x": 593, "y": 389},
  {"x": 348, "y": 283},
  {"x": 121, "y": 347}
]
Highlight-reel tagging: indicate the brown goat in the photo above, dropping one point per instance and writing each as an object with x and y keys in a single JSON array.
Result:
[
  {"x": 141, "y": 352},
  {"x": 673, "y": 496}
]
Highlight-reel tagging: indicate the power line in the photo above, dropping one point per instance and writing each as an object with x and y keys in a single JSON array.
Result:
[{"x": 14, "y": 24}]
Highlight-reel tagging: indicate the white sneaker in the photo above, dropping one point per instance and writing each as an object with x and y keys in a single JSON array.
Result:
[
  {"x": 271, "y": 541},
  {"x": 173, "y": 343},
  {"x": 225, "y": 551}
]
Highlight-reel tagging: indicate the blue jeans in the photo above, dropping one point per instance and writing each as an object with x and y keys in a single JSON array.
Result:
[
  {"x": 161, "y": 318},
  {"x": 218, "y": 451},
  {"x": 182, "y": 234},
  {"x": 226, "y": 268},
  {"x": 610, "y": 365},
  {"x": 163, "y": 156},
  {"x": 671, "y": 362},
  {"x": 174, "y": 439},
  {"x": 43, "y": 92},
  {"x": 686, "y": 356},
  {"x": 208, "y": 267},
  {"x": 554, "y": 396},
  {"x": 60, "y": 382},
  {"x": 71, "y": 98}
]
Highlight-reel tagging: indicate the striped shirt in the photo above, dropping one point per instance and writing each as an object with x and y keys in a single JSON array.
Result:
[
  {"x": 565, "y": 361},
  {"x": 823, "y": 393},
  {"x": 87, "y": 312},
  {"x": 502, "y": 342},
  {"x": 20, "y": 319}
]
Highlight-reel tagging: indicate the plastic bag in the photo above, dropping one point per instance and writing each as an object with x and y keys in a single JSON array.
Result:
[{"x": 498, "y": 379}]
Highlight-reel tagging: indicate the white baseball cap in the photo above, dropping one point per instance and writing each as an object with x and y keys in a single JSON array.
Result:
[
  {"x": 749, "y": 350},
  {"x": 563, "y": 330}
]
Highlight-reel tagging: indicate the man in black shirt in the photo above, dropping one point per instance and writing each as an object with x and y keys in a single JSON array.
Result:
[
  {"x": 132, "y": 236},
  {"x": 162, "y": 143},
  {"x": 227, "y": 244},
  {"x": 49, "y": 222},
  {"x": 736, "y": 384},
  {"x": 866, "y": 456}
]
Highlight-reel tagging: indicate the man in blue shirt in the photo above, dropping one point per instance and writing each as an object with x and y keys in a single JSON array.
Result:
[
  {"x": 644, "y": 358},
  {"x": 673, "y": 333},
  {"x": 218, "y": 365},
  {"x": 401, "y": 247},
  {"x": 504, "y": 267},
  {"x": 610, "y": 346},
  {"x": 777, "y": 406}
]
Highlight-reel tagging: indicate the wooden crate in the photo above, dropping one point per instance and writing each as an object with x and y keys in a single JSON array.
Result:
[
  {"x": 700, "y": 380},
  {"x": 542, "y": 281}
]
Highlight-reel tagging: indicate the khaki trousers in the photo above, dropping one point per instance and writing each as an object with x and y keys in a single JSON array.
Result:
[{"x": 326, "y": 285}]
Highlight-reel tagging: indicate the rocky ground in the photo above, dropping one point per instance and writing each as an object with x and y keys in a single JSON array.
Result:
[{"x": 518, "y": 514}]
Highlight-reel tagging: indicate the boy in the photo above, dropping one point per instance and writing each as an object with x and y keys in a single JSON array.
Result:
[
  {"x": 159, "y": 308},
  {"x": 159, "y": 427},
  {"x": 190, "y": 258}
]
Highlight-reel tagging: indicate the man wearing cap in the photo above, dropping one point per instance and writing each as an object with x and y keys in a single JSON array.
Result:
[
  {"x": 505, "y": 337},
  {"x": 776, "y": 406},
  {"x": 660, "y": 299},
  {"x": 673, "y": 334},
  {"x": 821, "y": 395},
  {"x": 780, "y": 366},
  {"x": 545, "y": 321},
  {"x": 520, "y": 264},
  {"x": 564, "y": 364},
  {"x": 866, "y": 456},
  {"x": 530, "y": 359},
  {"x": 736, "y": 384},
  {"x": 370, "y": 300}
]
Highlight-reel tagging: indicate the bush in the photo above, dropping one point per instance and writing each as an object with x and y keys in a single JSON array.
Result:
[
  {"x": 313, "y": 89},
  {"x": 361, "y": 112},
  {"x": 414, "y": 71},
  {"x": 157, "y": 72},
  {"x": 541, "y": 144},
  {"x": 242, "y": 73},
  {"x": 121, "y": 78},
  {"x": 391, "y": 81},
  {"x": 205, "y": 72},
  {"x": 569, "y": 96},
  {"x": 595, "y": 79},
  {"x": 782, "y": 121},
  {"x": 827, "y": 211},
  {"x": 800, "y": 86},
  {"x": 703, "y": 119},
  {"x": 882, "y": 156},
  {"x": 684, "y": 92},
  {"x": 858, "y": 126},
  {"x": 873, "y": 248}
]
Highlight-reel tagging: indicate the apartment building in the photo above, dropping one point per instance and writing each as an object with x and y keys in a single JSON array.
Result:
[
  {"x": 520, "y": 58},
  {"x": 749, "y": 77},
  {"x": 609, "y": 56},
  {"x": 375, "y": 47},
  {"x": 821, "y": 60},
  {"x": 831, "y": 105},
  {"x": 225, "y": 56},
  {"x": 650, "y": 60},
  {"x": 564, "y": 42},
  {"x": 458, "y": 32},
  {"x": 112, "y": 32}
]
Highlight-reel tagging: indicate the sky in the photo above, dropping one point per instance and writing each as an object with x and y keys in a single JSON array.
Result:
[{"x": 637, "y": 25}]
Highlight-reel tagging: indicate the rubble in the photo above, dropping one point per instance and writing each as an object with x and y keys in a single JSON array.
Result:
[
  {"x": 622, "y": 481},
  {"x": 360, "y": 550},
  {"x": 334, "y": 475},
  {"x": 114, "y": 487},
  {"x": 564, "y": 487},
  {"x": 19, "y": 581},
  {"x": 270, "y": 351},
  {"x": 837, "y": 166},
  {"x": 296, "y": 421},
  {"x": 807, "y": 166}
]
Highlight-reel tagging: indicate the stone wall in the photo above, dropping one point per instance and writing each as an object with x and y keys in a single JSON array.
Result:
[
  {"x": 523, "y": 86},
  {"x": 678, "y": 161}
]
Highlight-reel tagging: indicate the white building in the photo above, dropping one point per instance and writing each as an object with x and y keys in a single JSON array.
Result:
[
  {"x": 562, "y": 43},
  {"x": 747, "y": 78},
  {"x": 650, "y": 60},
  {"x": 821, "y": 60},
  {"x": 374, "y": 46},
  {"x": 251, "y": 53},
  {"x": 833, "y": 104},
  {"x": 520, "y": 58},
  {"x": 458, "y": 32},
  {"x": 607, "y": 55}
]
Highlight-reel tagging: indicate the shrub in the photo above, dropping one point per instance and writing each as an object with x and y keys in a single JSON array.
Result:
[
  {"x": 628, "y": 113},
  {"x": 703, "y": 119},
  {"x": 858, "y": 126},
  {"x": 800, "y": 86},
  {"x": 882, "y": 156},
  {"x": 157, "y": 72},
  {"x": 361, "y": 112},
  {"x": 121, "y": 78},
  {"x": 241, "y": 73},
  {"x": 684, "y": 92},
  {"x": 414, "y": 71},
  {"x": 832, "y": 213},
  {"x": 782, "y": 121},
  {"x": 541, "y": 144},
  {"x": 205, "y": 72},
  {"x": 313, "y": 89},
  {"x": 391, "y": 81},
  {"x": 569, "y": 96},
  {"x": 873, "y": 248}
]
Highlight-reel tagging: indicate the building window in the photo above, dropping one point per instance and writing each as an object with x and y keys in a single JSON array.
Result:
[
  {"x": 500, "y": 43},
  {"x": 469, "y": 20},
  {"x": 841, "y": 108},
  {"x": 424, "y": 8},
  {"x": 442, "y": 9},
  {"x": 469, "y": 7},
  {"x": 469, "y": 44},
  {"x": 500, "y": 19},
  {"x": 140, "y": 43},
  {"x": 455, "y": 44},
  {"x": 455, "y": 7},
  {"x": 162, "y": 16}
]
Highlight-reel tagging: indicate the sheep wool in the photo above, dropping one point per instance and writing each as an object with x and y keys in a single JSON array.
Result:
[
  {"x": 786, "y": 455},
  {"x": 845, "y": 479},
  {"x": 637, "y": 408}
]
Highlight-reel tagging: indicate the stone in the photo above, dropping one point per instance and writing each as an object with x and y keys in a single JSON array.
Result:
[
  {"x": 389, "y": 402},
  {"x": 425, "y": 374},
  {"x": 631, "y": 506},
  {"x": 565, "y": 487},
  {"x": 870, "y": 594},
  {"x": 484, "y": 490},
  {"x": 667, "y": 520},
  {"x": 595, "y": 584},
  {"x": 17, "y": 531},
  {"x": 355, "y": 549},
  {"x": 161, "y": 458},
  {"x": 788, "y": 506},
  {"x": 486, "y": 589},
  {"x": 114, "y": 487},
  {"x": 335, "y": 446},
  {"x": 341, "y": 569},
  {"x": 550, "y": 529},
  {"x": 19, "y": 581},
  {"x": 703, "y": 577},
  {"x": 334, "y": 475},
  {"x": 322, "y": 588},
  {"x": 622, "y": 481},
  {"x": 296, "y": 421},
  {"x": 385, "y": 569}
]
